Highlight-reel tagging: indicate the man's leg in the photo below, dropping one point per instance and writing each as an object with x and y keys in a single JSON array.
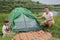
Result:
[
  {"x": 43, "y": 23},
  {"x": 49, "y": 24}
]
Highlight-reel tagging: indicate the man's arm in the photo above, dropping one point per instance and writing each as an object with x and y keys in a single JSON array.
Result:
[
  {"x": 40, "y": 17},
  {"x": 50, "y": 19}
]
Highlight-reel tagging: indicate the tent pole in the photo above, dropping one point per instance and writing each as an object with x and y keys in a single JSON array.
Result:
[{"x": 24, "y": 21}]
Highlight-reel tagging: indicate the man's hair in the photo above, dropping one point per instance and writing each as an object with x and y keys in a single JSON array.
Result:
[{"x": 46, "y": 7}]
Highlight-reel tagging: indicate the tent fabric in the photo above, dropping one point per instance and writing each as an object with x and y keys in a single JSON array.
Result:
[
  {"x": 37, "y": 35},
  {"x": 22, "y": 19}
]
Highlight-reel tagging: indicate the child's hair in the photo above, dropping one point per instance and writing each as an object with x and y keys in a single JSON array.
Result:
[{"x": 6, "y": 21}]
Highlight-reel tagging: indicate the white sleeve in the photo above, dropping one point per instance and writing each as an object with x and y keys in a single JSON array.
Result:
[
  {"x": 51, "y": 14},
  {"x": 4, "y": 28}
]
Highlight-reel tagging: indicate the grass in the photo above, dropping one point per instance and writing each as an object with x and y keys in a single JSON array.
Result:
[
  {"x": 54, "y": 29},
  {"x": 7, "y": 37}
]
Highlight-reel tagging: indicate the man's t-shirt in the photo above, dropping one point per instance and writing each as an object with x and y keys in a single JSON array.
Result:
[{"x": 47, "y": 16}]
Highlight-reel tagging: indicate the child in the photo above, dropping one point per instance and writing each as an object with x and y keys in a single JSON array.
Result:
[{"x": 5, "y": 30}]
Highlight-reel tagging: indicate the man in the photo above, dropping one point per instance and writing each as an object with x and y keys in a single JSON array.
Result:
[{"x": 48, "y": 16}]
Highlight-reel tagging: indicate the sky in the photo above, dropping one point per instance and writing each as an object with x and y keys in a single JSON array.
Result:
[{"x": 48, "y": 2}]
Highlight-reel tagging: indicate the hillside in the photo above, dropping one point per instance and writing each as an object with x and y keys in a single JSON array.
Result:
[
  {"x": 36, "y": 7},
  {"x": 8, "y": 5}
]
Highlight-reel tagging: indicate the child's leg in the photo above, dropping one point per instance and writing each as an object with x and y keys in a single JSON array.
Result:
[
  {"x": 8, "y": 33},
  {"x": 3, "y": 35}
]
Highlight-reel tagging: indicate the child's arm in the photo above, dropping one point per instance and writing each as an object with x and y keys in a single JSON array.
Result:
[{"x": 7, "y": 30}]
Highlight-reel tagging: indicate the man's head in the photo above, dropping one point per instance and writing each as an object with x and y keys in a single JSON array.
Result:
[{"x": 46, "y": 9}]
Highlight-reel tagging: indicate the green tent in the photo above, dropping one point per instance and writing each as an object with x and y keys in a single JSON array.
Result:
[{"x": 21, "y": 19}]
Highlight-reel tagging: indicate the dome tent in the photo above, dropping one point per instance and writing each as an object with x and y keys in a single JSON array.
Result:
[{"x": 21, "y": 19}]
